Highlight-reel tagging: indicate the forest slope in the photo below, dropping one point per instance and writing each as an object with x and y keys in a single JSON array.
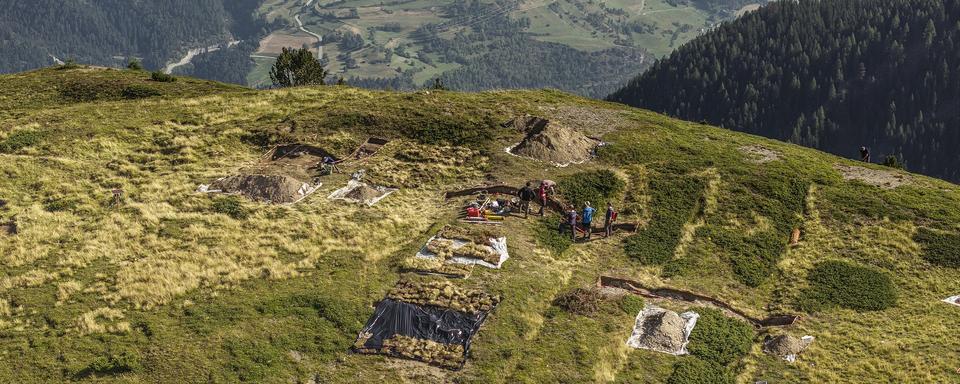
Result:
[{"x": 833, "y": 75}]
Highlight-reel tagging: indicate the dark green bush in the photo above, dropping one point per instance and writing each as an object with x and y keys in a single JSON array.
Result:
[
  {"x": 549, "y": 237},
  {"x": 631, "y": 304},
  {"x": 230, "y": 206},
  {"x": 691, "y": 370},
  {"x": 594, "y": 186},
  {"x": 19, "y": 140},
  {"x": 133, "y": 92},
  {"x": 847, "y": 285},
  {"x": 114, "y": 363},
  {"x": 676, "y": 200},
  {"x": 87, "y": 90},
  {"x": 941, "y": 249},
  {"x": 719, "y": 339},
  {"x": 162, "y": 77},
  {"x": 135, "y": 65},
  {"x": 754, "y": 257},
  {"x": 59, "y": 204},
  {"x": 252, "y": 360}
]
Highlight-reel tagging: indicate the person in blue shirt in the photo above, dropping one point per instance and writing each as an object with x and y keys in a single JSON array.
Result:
[{"x": 587, "y": 219}]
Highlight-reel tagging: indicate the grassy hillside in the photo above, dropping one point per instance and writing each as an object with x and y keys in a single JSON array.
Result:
[{"x": 173, "y": 285}]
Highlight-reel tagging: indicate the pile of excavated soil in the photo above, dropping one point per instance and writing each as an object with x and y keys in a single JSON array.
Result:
[
  {"x": 275, "y": 189},
  {"x": 876, "y": 177},
  {"x": 364, "y": 193},
  {"x": 785, "y": 345},
  {"x": 552, "y": 143},
  {"x": 760, "y": 154},
  {"x": 663, "y": 332}
]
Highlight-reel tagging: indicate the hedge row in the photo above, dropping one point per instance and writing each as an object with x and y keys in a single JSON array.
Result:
[{"x": 675, "y": 200}]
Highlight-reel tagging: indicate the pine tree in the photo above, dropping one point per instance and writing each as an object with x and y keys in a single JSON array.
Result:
[{"x": 297, "y": 67}]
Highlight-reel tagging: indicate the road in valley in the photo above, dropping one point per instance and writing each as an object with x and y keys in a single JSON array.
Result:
[{"x": 194, "y": 53}]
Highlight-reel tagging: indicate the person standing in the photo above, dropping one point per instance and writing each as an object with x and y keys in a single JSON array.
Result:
[
  {"x": 865, "y": 154},
  {"x": 526, "y": 196},
  {"x": 572, "y": 223},
  {"x": 542, "y": 192},
  {"x": 588, "y": 220},
  {"x": 608, "y": 220}
]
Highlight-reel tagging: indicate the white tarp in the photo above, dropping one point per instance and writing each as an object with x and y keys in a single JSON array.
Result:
[
  {"x": 498, "y": 245},
  {"x": 689, "y": 321},
  {"x": 954, "y": 300},
  {"x": 341, "y": 194}
]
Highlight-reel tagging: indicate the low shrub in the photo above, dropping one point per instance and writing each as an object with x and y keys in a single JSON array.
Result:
[
  {"x": 112, "y": 364},
  {"x": 19, "y": 140},
  {"x": 691, "y": 370},
  {"x": 754, "y": 257},
  {"x": 719, "y": 339},
  {"x": 133, "y": 92},
  {"x": 162, "y": 77},
  {"x": 631, "y": 304},
  {"x": 549, "y": 237},
  {"x": 594, "y": 186},
  {"x": 939, "y": 248},
  {"x": 676, "y": 200},
  {"x": 580, "y": 301},
  {"x": 230, "y": 206},
  {"x": 837, "y": 283},
  {"x": 87, "y": 89},
  {"x": 59, "y": 205},
  {"x": 135, "y": 65}
]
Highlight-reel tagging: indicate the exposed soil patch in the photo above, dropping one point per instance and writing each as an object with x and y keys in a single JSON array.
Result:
[
  {"x": 876, "y": 177},
  {"x": 663, "y": 332},
  {"x": 358, "y": 192},
  {"x": 593, "y": 121},
  {"x": 759, "y": 154},
  {"x": 275, "y": 189},
  {"x": 363, "y": 193},
  {"x": 552, "y": 143},
  {"x": 786, "y": 346}
]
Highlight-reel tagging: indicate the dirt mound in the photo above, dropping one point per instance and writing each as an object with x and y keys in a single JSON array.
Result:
[
  {"x": 785, "y": 346},
  {"x": 760, "y": 154},
  {"x": 876, "y": 177},
  {"x": 663, "y": 332},
  {"x": 552, "y": 143},
  {"x": 363, "y": 193},
  {"x": 274, "y": 189}
]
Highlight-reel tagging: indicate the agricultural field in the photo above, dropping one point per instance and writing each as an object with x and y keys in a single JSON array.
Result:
[
  {"x": 172, "y": 282},
  {"x": 409, "y": 43}
]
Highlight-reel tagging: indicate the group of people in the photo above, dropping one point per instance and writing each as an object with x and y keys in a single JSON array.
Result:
[{"x": 572, "y": 218}]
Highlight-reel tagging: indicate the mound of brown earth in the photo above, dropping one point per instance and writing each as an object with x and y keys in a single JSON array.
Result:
[
  {"x": 552, "y": 143},
  {"x": 363, "y": 193},
  {"x": 886, "y": 179},
  {"x": 274, "y": 189},
  {"x": 785, "y": 345},
  {"x": 663, "y": 332}
]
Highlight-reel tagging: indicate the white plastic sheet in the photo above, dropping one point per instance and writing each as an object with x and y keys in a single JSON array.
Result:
[
  {"x": 953, "y": 300},
  {"x": 498, "y": 245},
  {"x": 689, "y": 321}
]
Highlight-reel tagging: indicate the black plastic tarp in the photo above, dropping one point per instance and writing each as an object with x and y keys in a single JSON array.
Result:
[{"x": 445, "y": 326}]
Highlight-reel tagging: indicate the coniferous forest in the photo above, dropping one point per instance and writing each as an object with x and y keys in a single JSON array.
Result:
[
  {"x": 36, "y": 33},
  {"x": 834, "y": 75}
]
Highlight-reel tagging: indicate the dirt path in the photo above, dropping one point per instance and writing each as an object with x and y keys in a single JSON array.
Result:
[
  {"x": 191, "y": 54},
  {"x": 318, "y": 36}
]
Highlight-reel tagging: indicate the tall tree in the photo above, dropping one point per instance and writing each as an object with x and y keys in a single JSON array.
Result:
[{"x": 296, "y": 67}]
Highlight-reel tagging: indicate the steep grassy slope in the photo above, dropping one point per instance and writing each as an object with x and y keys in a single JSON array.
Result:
[{"x": 171, "y": 287}]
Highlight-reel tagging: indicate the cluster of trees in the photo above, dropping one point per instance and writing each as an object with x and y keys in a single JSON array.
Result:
[
  {"x": 834, "y": 75},
  {"x": 109, "y": 32}
]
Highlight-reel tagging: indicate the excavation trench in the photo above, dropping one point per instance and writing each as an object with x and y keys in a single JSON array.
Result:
[{"x": 637, "y": 288}]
